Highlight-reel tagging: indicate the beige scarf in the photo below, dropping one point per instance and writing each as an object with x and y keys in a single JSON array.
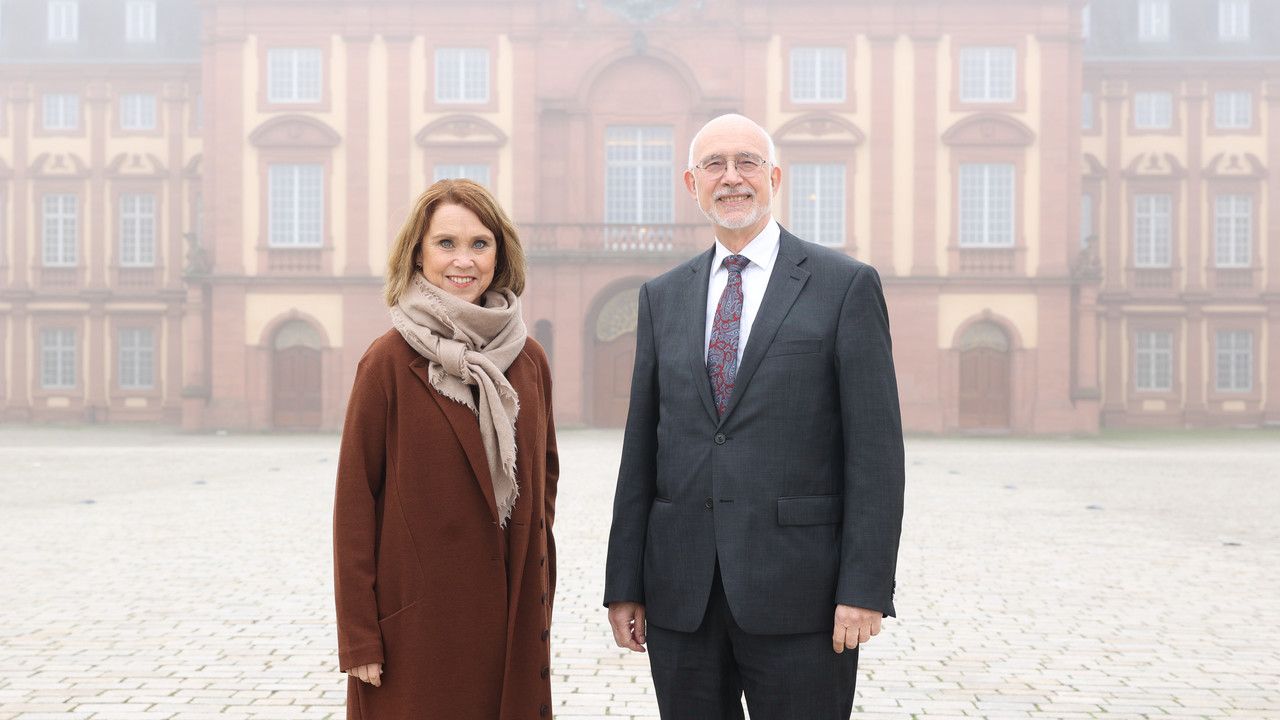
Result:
[{"x": 468, "y": 344}]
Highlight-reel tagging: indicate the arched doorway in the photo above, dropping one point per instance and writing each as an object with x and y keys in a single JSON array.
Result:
[
  {"x": 296, "y": 376},
  {"x": 614, "y": 355},
  {"x": 984, "y": 377}
]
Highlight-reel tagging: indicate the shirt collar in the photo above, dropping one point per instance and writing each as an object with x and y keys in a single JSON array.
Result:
[{"x": 761, "y": 251}]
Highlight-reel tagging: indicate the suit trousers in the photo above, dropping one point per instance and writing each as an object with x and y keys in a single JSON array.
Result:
[{"x": 704, "y": 674}]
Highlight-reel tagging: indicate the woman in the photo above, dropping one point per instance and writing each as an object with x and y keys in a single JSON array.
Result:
[{"x": 443, "y": 557}]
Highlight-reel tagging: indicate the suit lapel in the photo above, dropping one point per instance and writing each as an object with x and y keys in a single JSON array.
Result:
[
  {"x": 785, "y": 283},
  {"x": 695, "y": 303},
  {"x": 467, "y": 429}
]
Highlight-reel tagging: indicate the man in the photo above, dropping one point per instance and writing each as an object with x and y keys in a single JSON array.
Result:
[{"x": 759, "y": 503}]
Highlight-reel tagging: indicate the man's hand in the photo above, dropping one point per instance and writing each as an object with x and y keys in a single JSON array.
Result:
[
  {"x": 627, "y": 619},
  {"x": 854, "y": 625},
  {"x": 371, "y": 673}
]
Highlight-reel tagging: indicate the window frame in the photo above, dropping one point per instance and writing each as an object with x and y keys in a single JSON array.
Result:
[
  {"x": 321, "y": 211},
  {"x": 60, "y": 217},
  {"x": 291, "y": 41},
  {"x": 1154, "y": 23},
  {"x": 639, "y": 164},
  {"x": 801, "y": 227},
  {"x": 1228, "y": 14},
  {"x": 1136, "y": 213},
  {"x": 64, "y": 15},
  {"x": 121, "y": 350},
  {"x": 125, "y": 99},
  {"x": 122, "y": 216},
  {"x": 437, "y": 175},
  {"x": 1251, "y": 355},
  {"x": 1153, "y": 355},
  {"x": 988, "y": 40},
  {"x": 1013, "y": 218},
  {"x": 140, "y": 21},
  {"x": 465, "y": 58},
  {"x": 60, "y": 129},
  {"x": 1151, "y": 96},
  {"x": 793, "y": 66},
  {"x": 1234, "y": 110},
  {"x": 63, "y": 363}
]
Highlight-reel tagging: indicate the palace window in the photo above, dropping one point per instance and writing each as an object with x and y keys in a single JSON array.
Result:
[
  {"x": 1152, "y": 230},
  {"x": 470, "y": 171},
  {"x": 1153, "y": 20},
  {"x": 462, "y": 75},
  {"x": 1233, "y": 230},
  {"x": 57, "y": 358},
  {"x": 986, "y": 205},
  {"x": 1234, "y": 351},
  {"x": 61, "y": 111},
  {"x": 817, "y": 202},
  {"x": 64, "y": 21},
  {"x": 137, "y": 230},
  {"x": 1086, "y": 111},
  {"x": 137, "y": 111},
  {"x": 817, "y": 74},
  {"x": 294, "y": 75},
  {"x": 1153, "y": 110},
  {"x": 296, "y": 213},
  {"x": 1154, "y": 360},
  {"x": 987, "y": 74},
  {"x": 59, "y": 232},
  {"x": 638, "y": 168},
  {"x": 140, "y": 21},
  {"x": 137, "y": 358},
  {"x": 1233, "y": 20},
  {"x": 1233, "y": 110},
  {"x": 1086, "y": 22}
]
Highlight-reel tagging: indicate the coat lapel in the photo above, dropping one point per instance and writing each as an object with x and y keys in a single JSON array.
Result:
[
  {"x": 785, "y": 283},
  {"x": 467, "y": 429},
  {"x": 695, "y": 303}
]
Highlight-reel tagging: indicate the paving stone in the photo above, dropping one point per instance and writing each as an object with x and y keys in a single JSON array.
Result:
[{"x": 166, "y": 599}]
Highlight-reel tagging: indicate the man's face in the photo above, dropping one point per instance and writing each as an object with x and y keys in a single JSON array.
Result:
[{"x": 731, "y": 200}]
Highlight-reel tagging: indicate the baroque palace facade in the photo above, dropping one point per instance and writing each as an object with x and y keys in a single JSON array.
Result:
[{"x": 1070, "y": 203}]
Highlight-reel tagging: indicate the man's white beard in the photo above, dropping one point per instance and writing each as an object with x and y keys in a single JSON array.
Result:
[{"x": 750, "y": 219}]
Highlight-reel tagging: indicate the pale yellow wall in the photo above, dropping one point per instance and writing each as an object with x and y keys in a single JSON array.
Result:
[
  {"x": 1030, "y": 191},
  {"x": 335, "y": 202},
  {"x": 505, "y": 119},
  {"x": 1021, "y": 310},
  {"x": 263, "y": 308},
  {"x": 943, "y": 182},
  {"x": 904, "y": 107},
  {"x": 860, "y": 175},
  {"x": 774, "y": 69},
  {"x": 249, "y": 185},
  {"x": 379, "y": 212}
]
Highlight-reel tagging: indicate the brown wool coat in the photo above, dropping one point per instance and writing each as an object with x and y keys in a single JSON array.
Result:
[{"x": 457, "y": 609}]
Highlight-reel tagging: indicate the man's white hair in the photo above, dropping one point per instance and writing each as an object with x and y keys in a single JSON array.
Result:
[{"x": 773, "y": 159}]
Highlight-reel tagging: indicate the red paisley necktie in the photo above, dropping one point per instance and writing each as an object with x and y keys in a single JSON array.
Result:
[{"x": 722, "y": 354}]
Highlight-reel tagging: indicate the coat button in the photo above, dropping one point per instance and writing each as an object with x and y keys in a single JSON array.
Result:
[
  {"x": 542, "y": 523},
  {"x": 720, "y": 438},
  {"x": 546, "y": 672},
  {"x": 542, "y": 711},
  {"x": 545, "y": 635},
  {"x": 544, "y": 598},
  {"x": 710, "y": 503},
  {"x": 544, "y": 560}
]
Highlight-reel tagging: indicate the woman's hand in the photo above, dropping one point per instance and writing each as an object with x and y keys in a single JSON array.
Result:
[{"x": 371, "y": 673}]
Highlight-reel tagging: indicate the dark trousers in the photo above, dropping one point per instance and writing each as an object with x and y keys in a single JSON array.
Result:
[{"x": 704, "y": 674}]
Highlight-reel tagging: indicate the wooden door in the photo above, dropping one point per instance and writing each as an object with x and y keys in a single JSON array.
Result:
[
  {"x": 614, "y": 361},
  {"x": 984, "y": 388},
  {"x": 295, "y": 378}
]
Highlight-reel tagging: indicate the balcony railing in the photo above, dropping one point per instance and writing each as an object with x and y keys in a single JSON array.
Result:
[
  {"x": 135, "y": 277},
  {"x": 295, "y": 260},
  {"x": 615, "y": 239},
  {"x": 1233, "y": 279},
  {"x": 986, "y": 261},
  {"x": 1153, "y": 278}
]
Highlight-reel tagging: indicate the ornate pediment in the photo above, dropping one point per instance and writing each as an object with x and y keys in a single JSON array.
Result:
[
  {"x": 989, "y": 130},
  {"x": 1241, "y": 166},
  {"x": 1154, "y": 165},
  {"x": 294, "y": 131},
  {"x": 819, "y": 129},
  {"x": 136, "y": 165},
  {"x": 461, "y": 131},
  {"x": 58, "y": 166},
  {"x": 194, "y": 167}
]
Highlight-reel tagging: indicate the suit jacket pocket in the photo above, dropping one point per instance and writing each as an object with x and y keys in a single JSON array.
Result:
[
  {"x": 810, "y": 510},
  {"x": 794, "y": 347}
]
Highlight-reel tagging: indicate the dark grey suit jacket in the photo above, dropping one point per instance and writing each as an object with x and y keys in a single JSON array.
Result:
[{"x": 798, "y": 489}]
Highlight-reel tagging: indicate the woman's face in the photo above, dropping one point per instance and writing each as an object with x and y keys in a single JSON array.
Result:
[{"x": 458, "y": 254}]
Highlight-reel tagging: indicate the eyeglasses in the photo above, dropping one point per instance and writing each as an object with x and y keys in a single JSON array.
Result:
[{"x": 747, "y": 165}]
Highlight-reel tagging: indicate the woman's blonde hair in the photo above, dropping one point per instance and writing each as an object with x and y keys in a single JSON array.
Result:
[{"x": 510, "y": 270}]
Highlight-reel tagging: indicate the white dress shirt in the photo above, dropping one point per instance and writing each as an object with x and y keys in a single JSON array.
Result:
[{"x": 762, "y": 251}]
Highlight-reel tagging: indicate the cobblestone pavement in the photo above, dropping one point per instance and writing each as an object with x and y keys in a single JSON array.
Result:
[{"x": 145, "y": 573}]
